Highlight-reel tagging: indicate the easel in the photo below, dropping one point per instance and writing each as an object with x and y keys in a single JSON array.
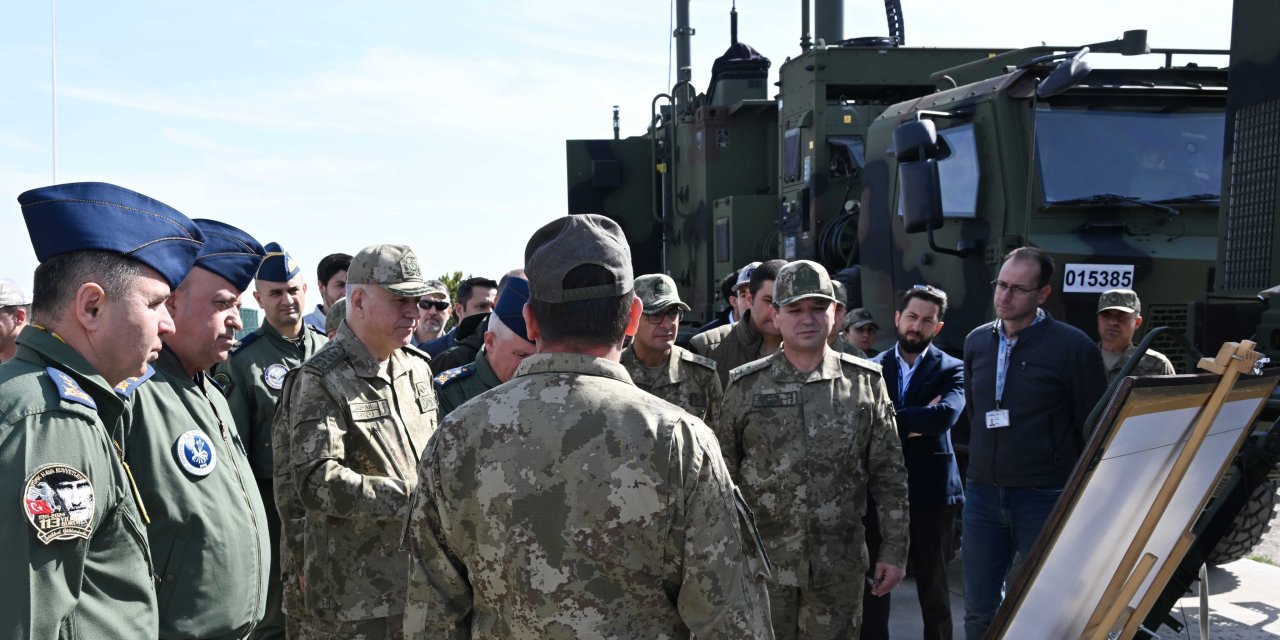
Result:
[{"x": 1113, "y": 608}]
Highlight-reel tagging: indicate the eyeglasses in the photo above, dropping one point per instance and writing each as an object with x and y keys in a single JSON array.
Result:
[
  {"x": 658, "y": 317},
  {"x": 1001, "y": 285},
  {"x": 438, "y": 305}
]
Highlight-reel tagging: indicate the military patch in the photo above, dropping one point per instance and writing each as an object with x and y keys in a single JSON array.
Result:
[
  {"x": 782, "y": 399},
  {"x": 126, "y": 388},
  {"x": 58, "y": 501},
  {"x": 327, "y": 358},
  {"x": 369, "y": 410},
  {"x": 223, "y": 380},
  {"x": 698, "y": 399},
  {"x": 274, "y": 376},
  {"x": 195, "y": 453},
  {"x": 456, "y": 373},
  {"x": 69, "y": 389}
]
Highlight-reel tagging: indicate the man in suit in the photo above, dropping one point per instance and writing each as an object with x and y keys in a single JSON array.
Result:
[{"x": 927, "y": 388}]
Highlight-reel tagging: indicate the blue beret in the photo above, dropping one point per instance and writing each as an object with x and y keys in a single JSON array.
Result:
[
  {"x": 510, "y": 307},
  {"x": 84, "y": 216},
  {"x": 278, "y": 266},
  {"x": 229, "y": 252}
]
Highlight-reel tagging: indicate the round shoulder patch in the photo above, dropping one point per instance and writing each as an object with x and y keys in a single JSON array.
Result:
[
  {"x": 274, "y": 376},
  {"x": 58, "y": 501},
  {"x": 195, "y": 453}
]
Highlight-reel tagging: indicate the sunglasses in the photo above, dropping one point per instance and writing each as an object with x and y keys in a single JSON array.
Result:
[{"x": 438, "y": 305}]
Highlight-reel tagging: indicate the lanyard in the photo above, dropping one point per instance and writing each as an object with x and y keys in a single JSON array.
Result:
[{"x": 1002, "y": 364}]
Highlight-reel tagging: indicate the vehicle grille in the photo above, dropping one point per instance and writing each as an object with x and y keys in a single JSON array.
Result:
[{"x": 1251, "y": 197}]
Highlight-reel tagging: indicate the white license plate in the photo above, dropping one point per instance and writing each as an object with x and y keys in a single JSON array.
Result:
[{"x": 1096, "y": 278}]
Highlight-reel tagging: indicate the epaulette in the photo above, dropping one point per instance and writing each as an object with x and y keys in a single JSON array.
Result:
[
  {"x": 748, "y": 368},
  {"x": 245, "y": 341},
  {"x": 306, "y": 326},
  {"x": 125, "y": 388},
  {"x": 326, "y": 358},
  {"x": 866, "y": 364},
  {"x": 689, "y": 356},
  {"x": 456, "y": 373},
  {"x": 408, "y": 348},
  {"x": 69, "y": 389}
]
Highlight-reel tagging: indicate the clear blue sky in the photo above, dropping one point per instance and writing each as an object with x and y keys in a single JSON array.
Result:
[{"x": 329, "y": 126}]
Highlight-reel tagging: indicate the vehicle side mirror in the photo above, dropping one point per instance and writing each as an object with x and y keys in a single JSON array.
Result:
[
  {"x": 1067, "y": 74},
  {"x": 916, "y": 140},
  {"x": 921, "y": 195}
]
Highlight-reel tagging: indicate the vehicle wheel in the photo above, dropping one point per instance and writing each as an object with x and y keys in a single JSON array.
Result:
[{"x": 1249, "y": 526}]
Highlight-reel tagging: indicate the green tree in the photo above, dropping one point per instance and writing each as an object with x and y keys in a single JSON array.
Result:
[{"x": 452, "y": 280}]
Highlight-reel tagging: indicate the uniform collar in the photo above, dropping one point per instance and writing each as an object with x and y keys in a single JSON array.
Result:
[
  {"x": 40, "y": 347},
  {"x": 572, "y": 363},
  {"x": 484, "y": 371},
  {"x": 783, "y": 371},
  {"x": 362, "y": 361},
  {"x": 670, "y": 372}
]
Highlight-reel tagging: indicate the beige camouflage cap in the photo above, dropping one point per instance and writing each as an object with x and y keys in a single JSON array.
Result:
[
  {"x": 13, "y": 294},
  {"x": 436, "y": 287},
  {"x": 658, "y": 291},
  {"x": 1122, "y": 299},
  {"x": 336, "y": 314},
  {"x": 799, "y": 280},
  {"x": 842, "y": 294},
  {"x": 393, "y": 267},
  {"x": 859, "y": 318},
  {"x": 571, "y": 242}
]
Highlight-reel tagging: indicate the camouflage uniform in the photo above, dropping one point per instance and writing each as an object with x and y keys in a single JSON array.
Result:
[
  {"x": 1153, "y": 363},
  {"x": 805, "y": 448},
  {"x": 688, "y": 381},
  {"x": 844, "y": 346},
  {"x": 460, "y": 384},
  {"x": 348, "y": 437},
  {"x": 730, "y": 346}
]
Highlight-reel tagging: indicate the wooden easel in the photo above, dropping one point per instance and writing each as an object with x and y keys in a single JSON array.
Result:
[{"x": 1113, "y": 608}]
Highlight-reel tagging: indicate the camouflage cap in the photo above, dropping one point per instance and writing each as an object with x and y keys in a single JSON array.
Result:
[
  {"x": 744, "y": 275},
  {"x": 571, "y": 242},
  {"x": 13, "y": 294},
  {"x": 799, "y": 280},
  {"x": 859, "y": 318},
  {"x": 436, "y": 287},
  {"x": 393, "y": 267},
  {"x": 336, "y": 314},
  {"x": 658, "y": 291},
  {"x": 841, "y": 293},
  {"x": 1121, "y": 299}
]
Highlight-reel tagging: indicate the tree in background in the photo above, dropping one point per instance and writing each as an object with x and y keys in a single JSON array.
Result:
[{"x": 452, "y": 280}]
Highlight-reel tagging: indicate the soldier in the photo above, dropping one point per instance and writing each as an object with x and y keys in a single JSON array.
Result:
[
  {"x": 333, "y": 319},
  {"x": 352, "y": 423},
  {"x": 433, "y": 313},
  {"x": 860, "y": 329},
  {"x": 506, "y": 345},
  {"x": 658, "y": 366},
  {"x": 331, "y": 277},
  {"x": 476, "y": 297},
  {"x": 837, "y": 339},
  {"x": 15, "y": 308},
  {"x": 251, "y": 380},
  {"x": 208, "y": 528},
  {"x": 1119, "y": 316},
  {"x": 108, "y": 257},
  {"x": 807, "y": 432},
  {"x": 569, "y": 503},
  {"x": 753, "y": 337},
  {"x": 736, "y": 290}
]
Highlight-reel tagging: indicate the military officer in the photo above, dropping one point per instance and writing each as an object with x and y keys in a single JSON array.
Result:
[
  {"x": 807, "y": 433},
  {"x": 352, "y": 423},
  {"x": 1119, "y": 316},
  {"x": 251, "y": 380},
  {"x": 208, "y": 528},
  {"x": 506, "y": 345},
  {"x": 333, "y": 320},
  {"x": 108, "y": 258},
  {"x": 657, "y": 365},
  {"x": 754, "y": 336},
  {"x": 567, "y": 502},
  {"x": 837, "y": 340}
]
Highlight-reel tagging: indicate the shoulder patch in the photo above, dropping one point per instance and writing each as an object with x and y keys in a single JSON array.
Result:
[
  {"x": 246, "y": 341},
  {"x": 326, "y": 358},
  {"x": 126, "y": 388},
  {"x": 456, "y": 373},
  {"x": 223, "y": 381},
  {"x": 748, "y": 368},
  {"x": 855, "y": 360},
  {"x": 689, "y": 356},
  {"x": 58, "y": 501},
  {"x": 408, "y": 348},
  {"x": 69, "y": 389}
]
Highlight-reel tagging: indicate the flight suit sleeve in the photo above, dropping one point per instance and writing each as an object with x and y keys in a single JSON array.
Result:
[
  {"x": 439, "y": 601},
  {"x": 728, "y": 427},
  {"x": 722, "y": 590},
  {"x": 317, "y": 458},
  {"x": 887, "y": 479}
]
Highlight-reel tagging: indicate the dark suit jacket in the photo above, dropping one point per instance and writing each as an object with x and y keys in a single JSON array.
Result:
[{"x": 933, "y": 479}]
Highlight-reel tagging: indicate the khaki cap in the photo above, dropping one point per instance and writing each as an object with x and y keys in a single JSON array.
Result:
[
  {"x": 842, "y": 294},
  {"x": 437, "y": 287},
  {"x": 1121, "y": 299},
  {"x": 335, "y": 315},
  {"x": 393, "y": 267},
  {"x": 571, "y": 242},
  {"x": 13, "y": 294},
  {"x": 802, "y": 279},
  {"x": 859, "y": 318},
  {"x": 658, "y": 291}
]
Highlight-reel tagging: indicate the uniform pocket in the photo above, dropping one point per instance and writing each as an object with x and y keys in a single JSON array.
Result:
[
  {"x": 171, "y": 574},
  {"x": 752, "y": 544}
]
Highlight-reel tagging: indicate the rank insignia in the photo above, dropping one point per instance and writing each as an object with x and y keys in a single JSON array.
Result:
[
  {"x": 58, "y": 501},
  {"x": 195, "y": 453},
  {"x": 69, "y": 389},
  {"x": 274, "y": 376},
  {"x": 127, "y": 387}
]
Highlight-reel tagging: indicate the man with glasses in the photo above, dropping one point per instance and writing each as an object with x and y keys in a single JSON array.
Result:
[
  {"x": 657, "y": 365},
  {"x": 1030, "y": 382},
  {"x": 433, "y": 313}
]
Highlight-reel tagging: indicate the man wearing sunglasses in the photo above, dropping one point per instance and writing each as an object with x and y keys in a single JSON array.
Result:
[
  {"x": 657, "y": 365},
  {"x": 1030, "y": 382},
  {"x": 433, "y": 313}
]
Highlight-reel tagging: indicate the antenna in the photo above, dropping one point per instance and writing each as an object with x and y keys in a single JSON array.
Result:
[
  {"x": 733, "y": 23},
  {"x": 53, "y": 84}
]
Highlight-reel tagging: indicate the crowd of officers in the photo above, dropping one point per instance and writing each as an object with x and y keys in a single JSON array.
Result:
[{"x": 554, "y": 466}]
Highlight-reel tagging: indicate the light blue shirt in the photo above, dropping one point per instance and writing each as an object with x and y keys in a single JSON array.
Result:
[
  {"x": 905, "y": 371},
  {"x": 1006, "y": 347}
]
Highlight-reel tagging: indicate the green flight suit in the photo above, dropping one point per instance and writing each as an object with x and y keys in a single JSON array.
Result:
[
  {"x": 90, "y": 579},
  {"x": 460, "y": 384},
  {"x": 251, "y": 380},
  {"x": 208, "y": 529}
]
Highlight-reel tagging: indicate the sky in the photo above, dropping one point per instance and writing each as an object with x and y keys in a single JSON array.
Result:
[{"x": 331, "y": 126}]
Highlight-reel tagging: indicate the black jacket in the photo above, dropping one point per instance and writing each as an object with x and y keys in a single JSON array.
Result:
[
  {"x": 1055, "y": 377},
  {"x": 933, "y": 479}
]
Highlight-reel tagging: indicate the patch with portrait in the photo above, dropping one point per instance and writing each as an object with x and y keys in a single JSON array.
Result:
[{"x": 58, "y": 501}]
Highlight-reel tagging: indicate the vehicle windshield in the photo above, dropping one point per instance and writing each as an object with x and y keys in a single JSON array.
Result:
[{"x": 1140, "y": 155}]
